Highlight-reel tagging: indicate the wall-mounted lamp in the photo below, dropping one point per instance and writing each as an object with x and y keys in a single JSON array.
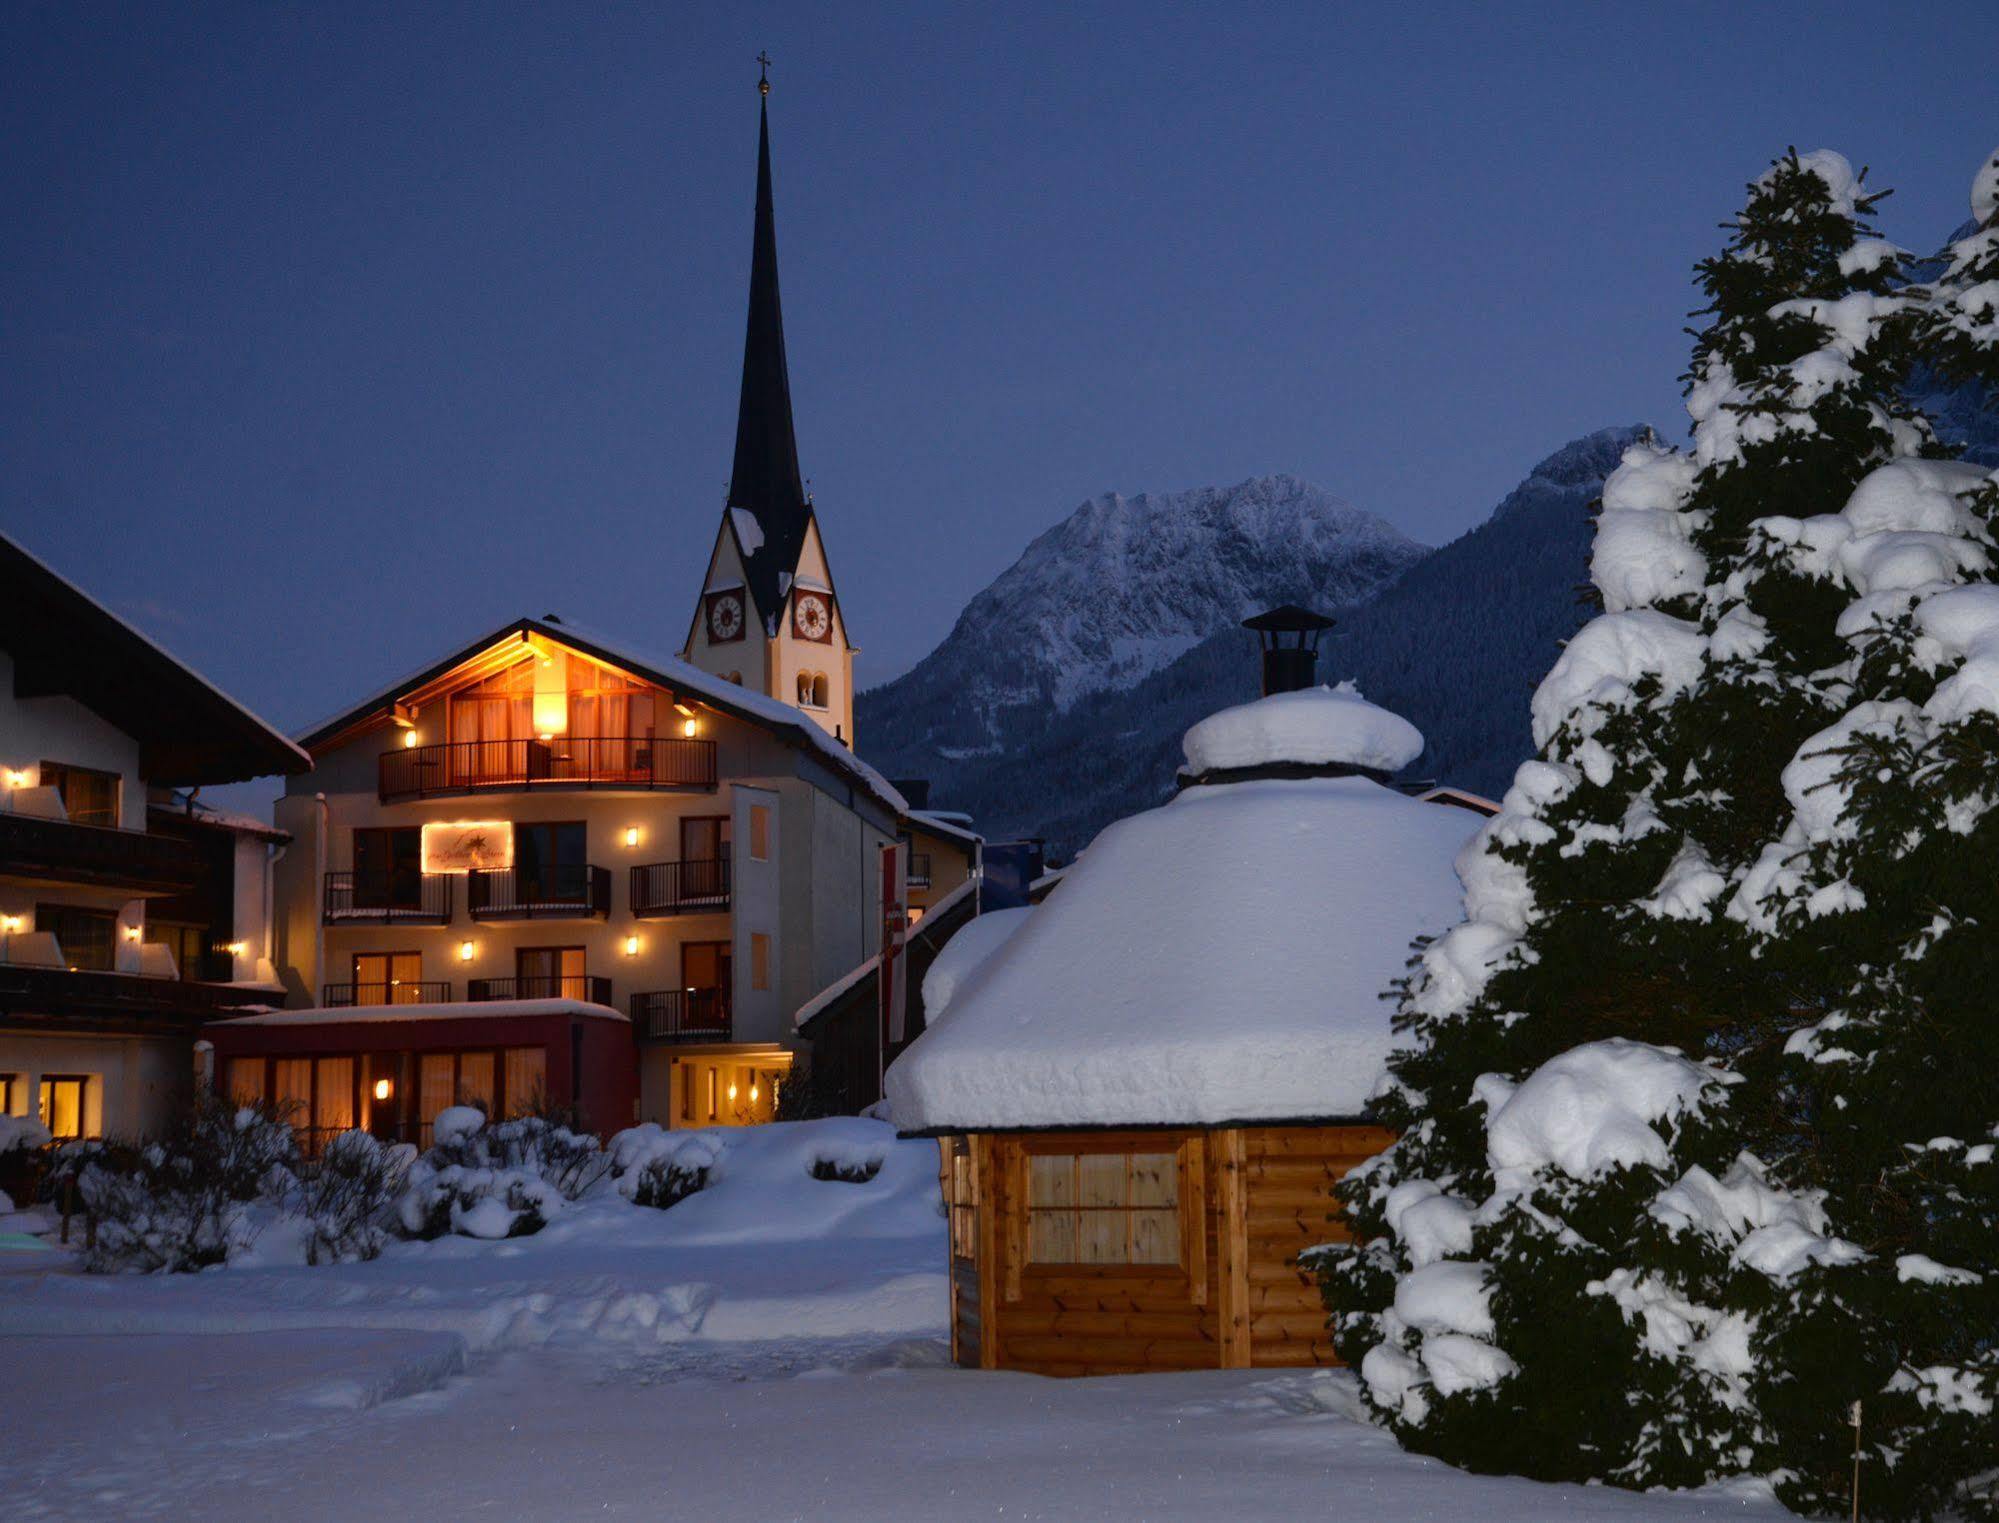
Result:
[
  {"x": 132, "y": 933},
  {"x": 691, "y": 728},
  {"x": 631, "y": 946},
  {"x": 15, "y": 777},
  {"x": 732, "y": 1094},
  {"x": 631, "y": 835},
  {"x": 753, "y": 1094},
  {"x": 236, "y": 948},
  {"x": 382, "y": 1089},
  {"x": 12, "y": 923},
  {"x": 409, "y": 740},
  {"x": 465, "y": 951}
]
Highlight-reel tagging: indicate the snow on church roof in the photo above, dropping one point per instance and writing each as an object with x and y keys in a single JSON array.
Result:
[{"x": 1220, "y": 958}]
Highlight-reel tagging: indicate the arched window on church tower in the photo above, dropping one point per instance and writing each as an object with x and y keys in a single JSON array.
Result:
[
  {"x": 819, "y": 691},
  {"x": 805, "y": 690}
]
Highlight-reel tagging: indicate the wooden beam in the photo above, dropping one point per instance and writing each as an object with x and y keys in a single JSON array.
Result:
[
  {"x": 1233, "y": 1238},
  {"x": 990, "y": 1268}
]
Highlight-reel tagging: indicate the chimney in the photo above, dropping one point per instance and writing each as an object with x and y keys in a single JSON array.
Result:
[{"x": 1290, "y": 638}]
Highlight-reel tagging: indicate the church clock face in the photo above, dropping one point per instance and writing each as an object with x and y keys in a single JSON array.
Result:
[
  {"x": 811, "y": 617},
  {"x": 725, "y": 616}
]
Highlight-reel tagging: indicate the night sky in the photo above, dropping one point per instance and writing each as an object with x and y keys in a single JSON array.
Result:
[{"x": 335, "y": 336}]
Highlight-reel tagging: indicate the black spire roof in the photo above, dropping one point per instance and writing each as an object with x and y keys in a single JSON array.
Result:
[{"x": 766, "y": 481}]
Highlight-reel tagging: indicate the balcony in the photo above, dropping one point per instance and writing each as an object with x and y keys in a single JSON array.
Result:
[
  {"x": 682, "y": 1015},
  {"x": 680, "y": 888},
  {"x": 399, "y": 991},
  {"x": 651, "y": 764},
  {"x": 370, "y": 899},
  {"x": 56, "y": 851},
  {"x": 919, "y": 869},
  {"x": 32, "y": 995},
  {"x": 561, "y": 893},
  {"x": 583, "y": 986}
]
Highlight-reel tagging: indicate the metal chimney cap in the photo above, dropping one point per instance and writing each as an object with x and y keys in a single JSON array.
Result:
[{"x": 1287, "y": 619}]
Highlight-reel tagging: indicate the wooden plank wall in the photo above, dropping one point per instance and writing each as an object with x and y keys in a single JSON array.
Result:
[
  {"x": 1289, "y": 1174},
  {"x": 1266, "y": 1196}
]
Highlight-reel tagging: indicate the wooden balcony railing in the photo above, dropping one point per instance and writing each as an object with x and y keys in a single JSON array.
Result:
[
  {"x": 681, "y": 888},
  {"x": 57, "y": 851},
  {"x": 397, "y": 991},
  {"x": 398, "y": 899},
  {"x": 583, "y": 986},
  {"x": 473, "y": 766},
  {"x": 682, "y": 1015},
  {"x": 559, "y": 893}
]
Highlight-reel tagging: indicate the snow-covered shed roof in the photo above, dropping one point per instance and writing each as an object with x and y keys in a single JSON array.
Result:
[
  {"x": 455, "y": 1010},
  {"x": 667, "y": 671},
  {"x": 1218, "y": 959}
]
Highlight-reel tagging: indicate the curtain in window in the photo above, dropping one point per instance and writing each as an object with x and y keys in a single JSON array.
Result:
[
  {"x": 335, "y": 1081},
  {"x": 475, "y": 1079},
  {"x": 435, "y": 1080},
  {"x": 246, "y": 1081},
  {"x": 291, "y": 1089},
  {"x": 527, "y": 1078}
]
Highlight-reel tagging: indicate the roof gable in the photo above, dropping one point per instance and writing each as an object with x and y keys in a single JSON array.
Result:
[{"x": 65, "y": 643}]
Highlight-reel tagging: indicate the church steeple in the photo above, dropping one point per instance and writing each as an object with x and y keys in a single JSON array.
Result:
[
  {"x": 768, "y": 617},
  {"x": 766, "y": 481}
]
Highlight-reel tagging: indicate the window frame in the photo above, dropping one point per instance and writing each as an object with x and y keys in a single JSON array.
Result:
[
  {"x": 58, "y": 774},
  {"x": 45, "y": 1105},
  {"x": 1188, "y": 1277},
  {"x": 56, "y": 911}
]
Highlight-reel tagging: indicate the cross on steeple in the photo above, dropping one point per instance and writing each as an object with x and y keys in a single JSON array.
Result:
[{"x": 763, "y": 78}]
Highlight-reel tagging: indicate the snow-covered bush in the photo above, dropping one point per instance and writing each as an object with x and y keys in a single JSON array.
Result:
[
  {"x": 498, "y": 1179},
  {"x": 848, "y": 1160},
  {"x": 660, "y": 1168},
  {"x": 1689, "y": 1123},
  {"x": 344, "y": 1203},
  {"x": 179, "y": 1203}
]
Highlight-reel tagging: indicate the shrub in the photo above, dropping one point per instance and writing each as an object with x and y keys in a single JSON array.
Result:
[
  {"x": 178, "y": 1204},
  {"x": 496, "y": 1179},
  {"x": 658, "y": 1168},
  {"x": 809, "y": 1095},
  {"x": 344, "y": 1203}
]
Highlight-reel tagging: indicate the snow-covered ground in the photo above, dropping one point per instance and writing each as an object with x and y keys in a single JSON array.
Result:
[{"x": 774, "y": 1345}]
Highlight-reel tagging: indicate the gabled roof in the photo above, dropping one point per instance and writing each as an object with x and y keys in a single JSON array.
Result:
[
  {"x": 665, "y": 671},
  {"x": 766, "y": 482},
  {"x": 65, "y": 643}
]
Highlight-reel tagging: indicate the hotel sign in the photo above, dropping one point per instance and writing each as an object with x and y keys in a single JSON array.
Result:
[{"x": 467, "y": 846}]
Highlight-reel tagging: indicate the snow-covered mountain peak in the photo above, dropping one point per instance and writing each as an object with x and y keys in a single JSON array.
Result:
[{"x": 1123, "y": 585}]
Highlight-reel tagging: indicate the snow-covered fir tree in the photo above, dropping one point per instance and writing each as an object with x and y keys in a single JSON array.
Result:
[
  {"x": 1890, "y": 849},
  {"x": 1594, "y": 1205}
]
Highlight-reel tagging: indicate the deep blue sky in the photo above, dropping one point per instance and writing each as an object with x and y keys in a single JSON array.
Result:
[{"x": 334, "y": 335}]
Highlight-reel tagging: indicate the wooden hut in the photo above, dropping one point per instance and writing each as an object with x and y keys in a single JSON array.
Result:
[{"x": 1145, "y": 1096}]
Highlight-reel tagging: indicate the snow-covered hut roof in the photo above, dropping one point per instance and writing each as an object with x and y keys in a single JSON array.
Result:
[{"x": 1218, "y": 959}]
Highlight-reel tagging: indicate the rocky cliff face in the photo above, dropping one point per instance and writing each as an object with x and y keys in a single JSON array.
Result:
[{"x": 1059, "y": 700}]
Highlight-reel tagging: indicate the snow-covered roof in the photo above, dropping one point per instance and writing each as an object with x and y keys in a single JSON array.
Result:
[
  {"x": 669, "y": 671},
  {"x": 1320, "y": 726},
  {"x": 181, "y": 805},
  {"x": 945, "y": 823},
  {"x": 964, "y": 954},
  {"x": 1461, "y": 798},
  {"x": 460, "y": 1010},
  {"x": 1220, "y": 958}
]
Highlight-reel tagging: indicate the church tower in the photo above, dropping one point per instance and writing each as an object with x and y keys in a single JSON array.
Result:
[{"x": 768, "y": 617}]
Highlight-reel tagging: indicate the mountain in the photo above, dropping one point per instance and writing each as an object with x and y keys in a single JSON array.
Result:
[
  {"x": 1456, "y": 639},
  {"x": 1116, "y": 591}
]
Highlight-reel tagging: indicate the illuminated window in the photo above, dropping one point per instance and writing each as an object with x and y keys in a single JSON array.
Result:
[
  {"x": 63, "y": 1106},
  {"x": 526, "y": 1079},
  {"x": 246, "y": 1081},
  {"x": 805, "y": 689},
  {"x": 1103, "y": 1208},
  {"x": 712, "y": 1096}
]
